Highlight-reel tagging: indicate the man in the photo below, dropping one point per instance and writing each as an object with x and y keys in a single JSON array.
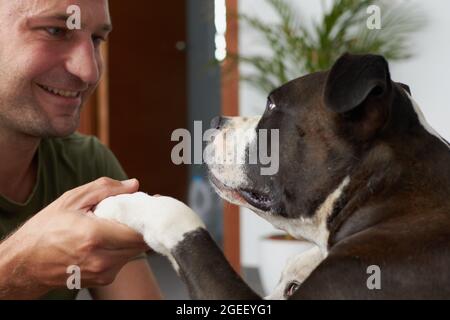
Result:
[{"x": 46, "y": 222}]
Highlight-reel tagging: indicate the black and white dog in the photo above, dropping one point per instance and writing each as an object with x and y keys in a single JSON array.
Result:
[{"x": 360, "y": 174}]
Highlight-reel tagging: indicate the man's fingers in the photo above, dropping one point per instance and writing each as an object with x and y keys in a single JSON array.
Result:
[{"x": 91, "y": 194}]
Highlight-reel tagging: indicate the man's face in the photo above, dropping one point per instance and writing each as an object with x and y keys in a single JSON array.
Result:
[{"x": 46, "y": 70}]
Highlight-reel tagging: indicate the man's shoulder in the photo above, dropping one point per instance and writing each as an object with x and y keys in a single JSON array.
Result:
[
  {"x": 76, "y": 143},
  {"x": 78, "y": 148}
]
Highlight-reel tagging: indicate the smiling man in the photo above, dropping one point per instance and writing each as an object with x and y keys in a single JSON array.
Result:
[{"x": 51, "y": 177}]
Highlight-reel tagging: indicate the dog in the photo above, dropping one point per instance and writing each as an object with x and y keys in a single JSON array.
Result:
[{"x": 361, "y": 174}]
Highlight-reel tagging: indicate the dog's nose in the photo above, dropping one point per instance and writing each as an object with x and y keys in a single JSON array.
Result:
[{"x": 219, "y": 122}]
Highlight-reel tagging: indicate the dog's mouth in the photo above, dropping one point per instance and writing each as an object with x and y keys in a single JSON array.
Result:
[
  {"x": 257, "y": 199},
  {"x": 241, "y": 196}
]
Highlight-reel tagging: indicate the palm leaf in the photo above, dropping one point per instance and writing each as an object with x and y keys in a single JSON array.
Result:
[{"x": 297, "y": 49}]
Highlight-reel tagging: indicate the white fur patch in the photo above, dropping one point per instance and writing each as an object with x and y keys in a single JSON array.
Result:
[
  {"x": 162, "y": 221},
  {"x": 226, "y": 155},
  {"x": 297, "y": 269},
  {"x": 315, "y": 228}
]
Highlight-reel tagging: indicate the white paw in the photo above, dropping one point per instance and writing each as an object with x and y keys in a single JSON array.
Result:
[{"x": 163, "y": 221}]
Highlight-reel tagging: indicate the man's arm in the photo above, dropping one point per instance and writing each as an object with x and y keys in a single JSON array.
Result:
[
  {"x": 34, "y": 259},
  {"x": 14, "y": 284},
  {"x": 134, "y": 282}
]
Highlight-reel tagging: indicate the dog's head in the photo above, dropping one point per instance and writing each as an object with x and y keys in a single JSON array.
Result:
[{"x": 321, "y": 123}]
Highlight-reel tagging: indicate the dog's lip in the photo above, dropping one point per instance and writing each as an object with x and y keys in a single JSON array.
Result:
[
  {"x": 221, "y": 186},
  {"x": 257, "y": 199},
  {"x": 254, "y": 198}
]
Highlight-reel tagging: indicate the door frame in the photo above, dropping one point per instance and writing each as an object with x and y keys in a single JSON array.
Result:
[{"x": 230, "y": 107}]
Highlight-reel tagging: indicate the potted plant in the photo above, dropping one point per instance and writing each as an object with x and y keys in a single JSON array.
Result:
[{"x": 298, "y": 49}]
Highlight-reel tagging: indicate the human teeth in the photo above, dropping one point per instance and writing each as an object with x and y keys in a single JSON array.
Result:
[{"x": 62, "y": 93}]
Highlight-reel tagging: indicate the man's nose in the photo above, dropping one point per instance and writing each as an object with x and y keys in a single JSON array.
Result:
[
  {"x": 84, "y": 64},
  {"x": 219, "y": 122}
]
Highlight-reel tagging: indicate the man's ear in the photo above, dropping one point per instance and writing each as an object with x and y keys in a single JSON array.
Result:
[{"x": 355, "y": 78}]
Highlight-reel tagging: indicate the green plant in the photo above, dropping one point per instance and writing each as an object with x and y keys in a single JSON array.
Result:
[{"x": 299, "y": 48}]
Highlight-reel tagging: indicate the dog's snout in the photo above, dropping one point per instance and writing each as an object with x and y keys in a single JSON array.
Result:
[{"x": 219, "y": 122}]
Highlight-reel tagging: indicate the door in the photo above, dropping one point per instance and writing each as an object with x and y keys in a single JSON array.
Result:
[{"x": 147, "y": 91}]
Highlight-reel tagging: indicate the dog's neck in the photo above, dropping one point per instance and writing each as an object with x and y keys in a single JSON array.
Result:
[
  {"x": 372, "y": 183},
  {"x": 315, "y": 228},
  {"x": 380, "y": 186}
]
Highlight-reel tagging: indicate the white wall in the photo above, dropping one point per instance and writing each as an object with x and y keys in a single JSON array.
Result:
[{"x": 428, "y": 75}]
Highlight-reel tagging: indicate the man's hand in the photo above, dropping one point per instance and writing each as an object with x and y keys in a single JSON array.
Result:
[
  {"x": 163, "y": 221},
  {"x": 34, "y": 260}
]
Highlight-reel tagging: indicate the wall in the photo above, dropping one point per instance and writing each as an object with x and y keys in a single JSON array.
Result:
[{"x": 427, "y": 74}]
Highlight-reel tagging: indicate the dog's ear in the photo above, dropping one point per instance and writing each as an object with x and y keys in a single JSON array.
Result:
[
  {"x": 354, "y": 79},
  {"x": 406, "y": 87}
]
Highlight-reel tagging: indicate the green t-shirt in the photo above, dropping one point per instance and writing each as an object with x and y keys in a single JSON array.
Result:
[{"x": 63, "y": 164}]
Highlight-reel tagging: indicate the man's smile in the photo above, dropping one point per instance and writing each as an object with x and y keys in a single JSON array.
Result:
[
  {"x": 58, "y": 100},
  {"x": 60, "y": 92}
]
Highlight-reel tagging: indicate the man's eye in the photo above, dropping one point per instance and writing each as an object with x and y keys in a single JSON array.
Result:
[{"x": 56, "y": 32}]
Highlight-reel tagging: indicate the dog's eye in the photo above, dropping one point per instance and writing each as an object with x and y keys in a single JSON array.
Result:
[
  {"x": 271, "y": 105},
  {"x": 291, "y": 288}
]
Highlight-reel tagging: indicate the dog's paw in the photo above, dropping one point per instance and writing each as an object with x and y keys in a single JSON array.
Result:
[
  {"x": 163, "y": 221},
  {"x": 297, "y": 270}
]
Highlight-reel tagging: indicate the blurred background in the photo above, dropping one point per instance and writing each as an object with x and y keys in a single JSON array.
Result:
[{"x": 170, "y": 63}]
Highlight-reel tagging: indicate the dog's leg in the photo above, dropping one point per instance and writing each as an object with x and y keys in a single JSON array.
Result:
[
  {"x": 174, "y": 230},
  {"x": 205, "y": 270},
  {"x": 297, "y": 270}
]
